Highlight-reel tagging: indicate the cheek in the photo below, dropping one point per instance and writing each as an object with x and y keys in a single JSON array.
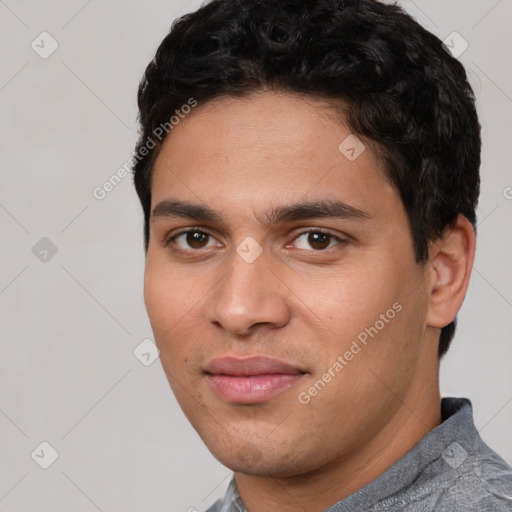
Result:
[
  {"x": 366, "y": 308},
  {"x": 167, "y": 298},
  {"x": 167, "y": 308},
  {"x": 351, "y": 298},
  {"x": 174, "y": 303},
  {"x": 159, "y": 301}
]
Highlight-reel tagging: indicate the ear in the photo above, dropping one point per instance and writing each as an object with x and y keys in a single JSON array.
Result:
[{"x": 451, "y": 261}]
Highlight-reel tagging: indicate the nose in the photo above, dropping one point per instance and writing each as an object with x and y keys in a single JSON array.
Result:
[{"x": 250, "y": 295}]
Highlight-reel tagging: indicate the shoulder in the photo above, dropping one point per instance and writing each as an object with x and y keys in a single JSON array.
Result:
[{"x": 485, "y": 485}]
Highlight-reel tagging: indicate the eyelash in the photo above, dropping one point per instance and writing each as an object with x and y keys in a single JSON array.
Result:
[{"x": 192, "y": 229}]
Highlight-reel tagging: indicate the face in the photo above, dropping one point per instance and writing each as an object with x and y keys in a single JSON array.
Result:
[{"x": 281, "y": 284}]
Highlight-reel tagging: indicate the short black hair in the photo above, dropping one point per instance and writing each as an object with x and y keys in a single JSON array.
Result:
[{"x": 406, "y": 95}]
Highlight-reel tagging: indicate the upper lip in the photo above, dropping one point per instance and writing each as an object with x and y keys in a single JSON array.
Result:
[{"x": 255, "y": 365}]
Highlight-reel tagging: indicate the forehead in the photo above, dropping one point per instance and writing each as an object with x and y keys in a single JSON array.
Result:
[
  {"x": 278, "y": 124},
  {"x": 267, "y": 147}
]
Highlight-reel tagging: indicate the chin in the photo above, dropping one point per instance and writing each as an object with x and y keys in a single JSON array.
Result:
[{"x": 263, "y": 460}]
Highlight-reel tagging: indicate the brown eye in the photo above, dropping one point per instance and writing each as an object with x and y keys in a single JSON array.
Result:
[
  {"x": 196, "y": 239},
  {"x": 317, "y": 240},
  {"x": 193, "y": 239}
]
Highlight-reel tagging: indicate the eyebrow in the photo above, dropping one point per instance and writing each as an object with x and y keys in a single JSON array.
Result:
[{"x": 299, "y": 211}]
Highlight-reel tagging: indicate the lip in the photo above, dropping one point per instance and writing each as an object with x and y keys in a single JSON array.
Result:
[{"x": 251, "y": 380}]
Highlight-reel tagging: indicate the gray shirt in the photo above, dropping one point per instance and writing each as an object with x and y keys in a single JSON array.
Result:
[{"x": 450, "y": 470}]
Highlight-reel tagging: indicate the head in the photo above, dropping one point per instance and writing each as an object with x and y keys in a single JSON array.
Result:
[{"x": 261, "y": 121}]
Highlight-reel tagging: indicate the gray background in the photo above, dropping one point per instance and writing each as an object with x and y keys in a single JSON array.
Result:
[{"x": 70, "y": 323}]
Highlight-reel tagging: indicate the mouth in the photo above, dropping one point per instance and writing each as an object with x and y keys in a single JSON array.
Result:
[{"x": 251, "y": 380}]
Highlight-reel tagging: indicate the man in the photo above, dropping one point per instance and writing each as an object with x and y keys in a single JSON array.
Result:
[{"x": 309, "y": 173}]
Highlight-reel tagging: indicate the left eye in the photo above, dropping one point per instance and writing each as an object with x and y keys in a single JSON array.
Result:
[{"x": 316, "y": 240}]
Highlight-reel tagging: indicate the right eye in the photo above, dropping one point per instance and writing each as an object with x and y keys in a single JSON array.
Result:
[{"x": 192, "y": 239}]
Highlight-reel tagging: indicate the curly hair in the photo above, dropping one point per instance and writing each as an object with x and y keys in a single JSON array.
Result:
[{"x": 405, "y": 93}]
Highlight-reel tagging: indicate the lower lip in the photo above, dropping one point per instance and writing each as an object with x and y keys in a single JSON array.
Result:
[{"x": 252, "y": 389}]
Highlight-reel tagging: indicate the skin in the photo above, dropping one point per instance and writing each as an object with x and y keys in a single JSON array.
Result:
[{"x": 301, "y": 301}]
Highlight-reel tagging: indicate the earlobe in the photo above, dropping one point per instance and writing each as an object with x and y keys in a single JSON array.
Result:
[{"x": 451, "y": 261}]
